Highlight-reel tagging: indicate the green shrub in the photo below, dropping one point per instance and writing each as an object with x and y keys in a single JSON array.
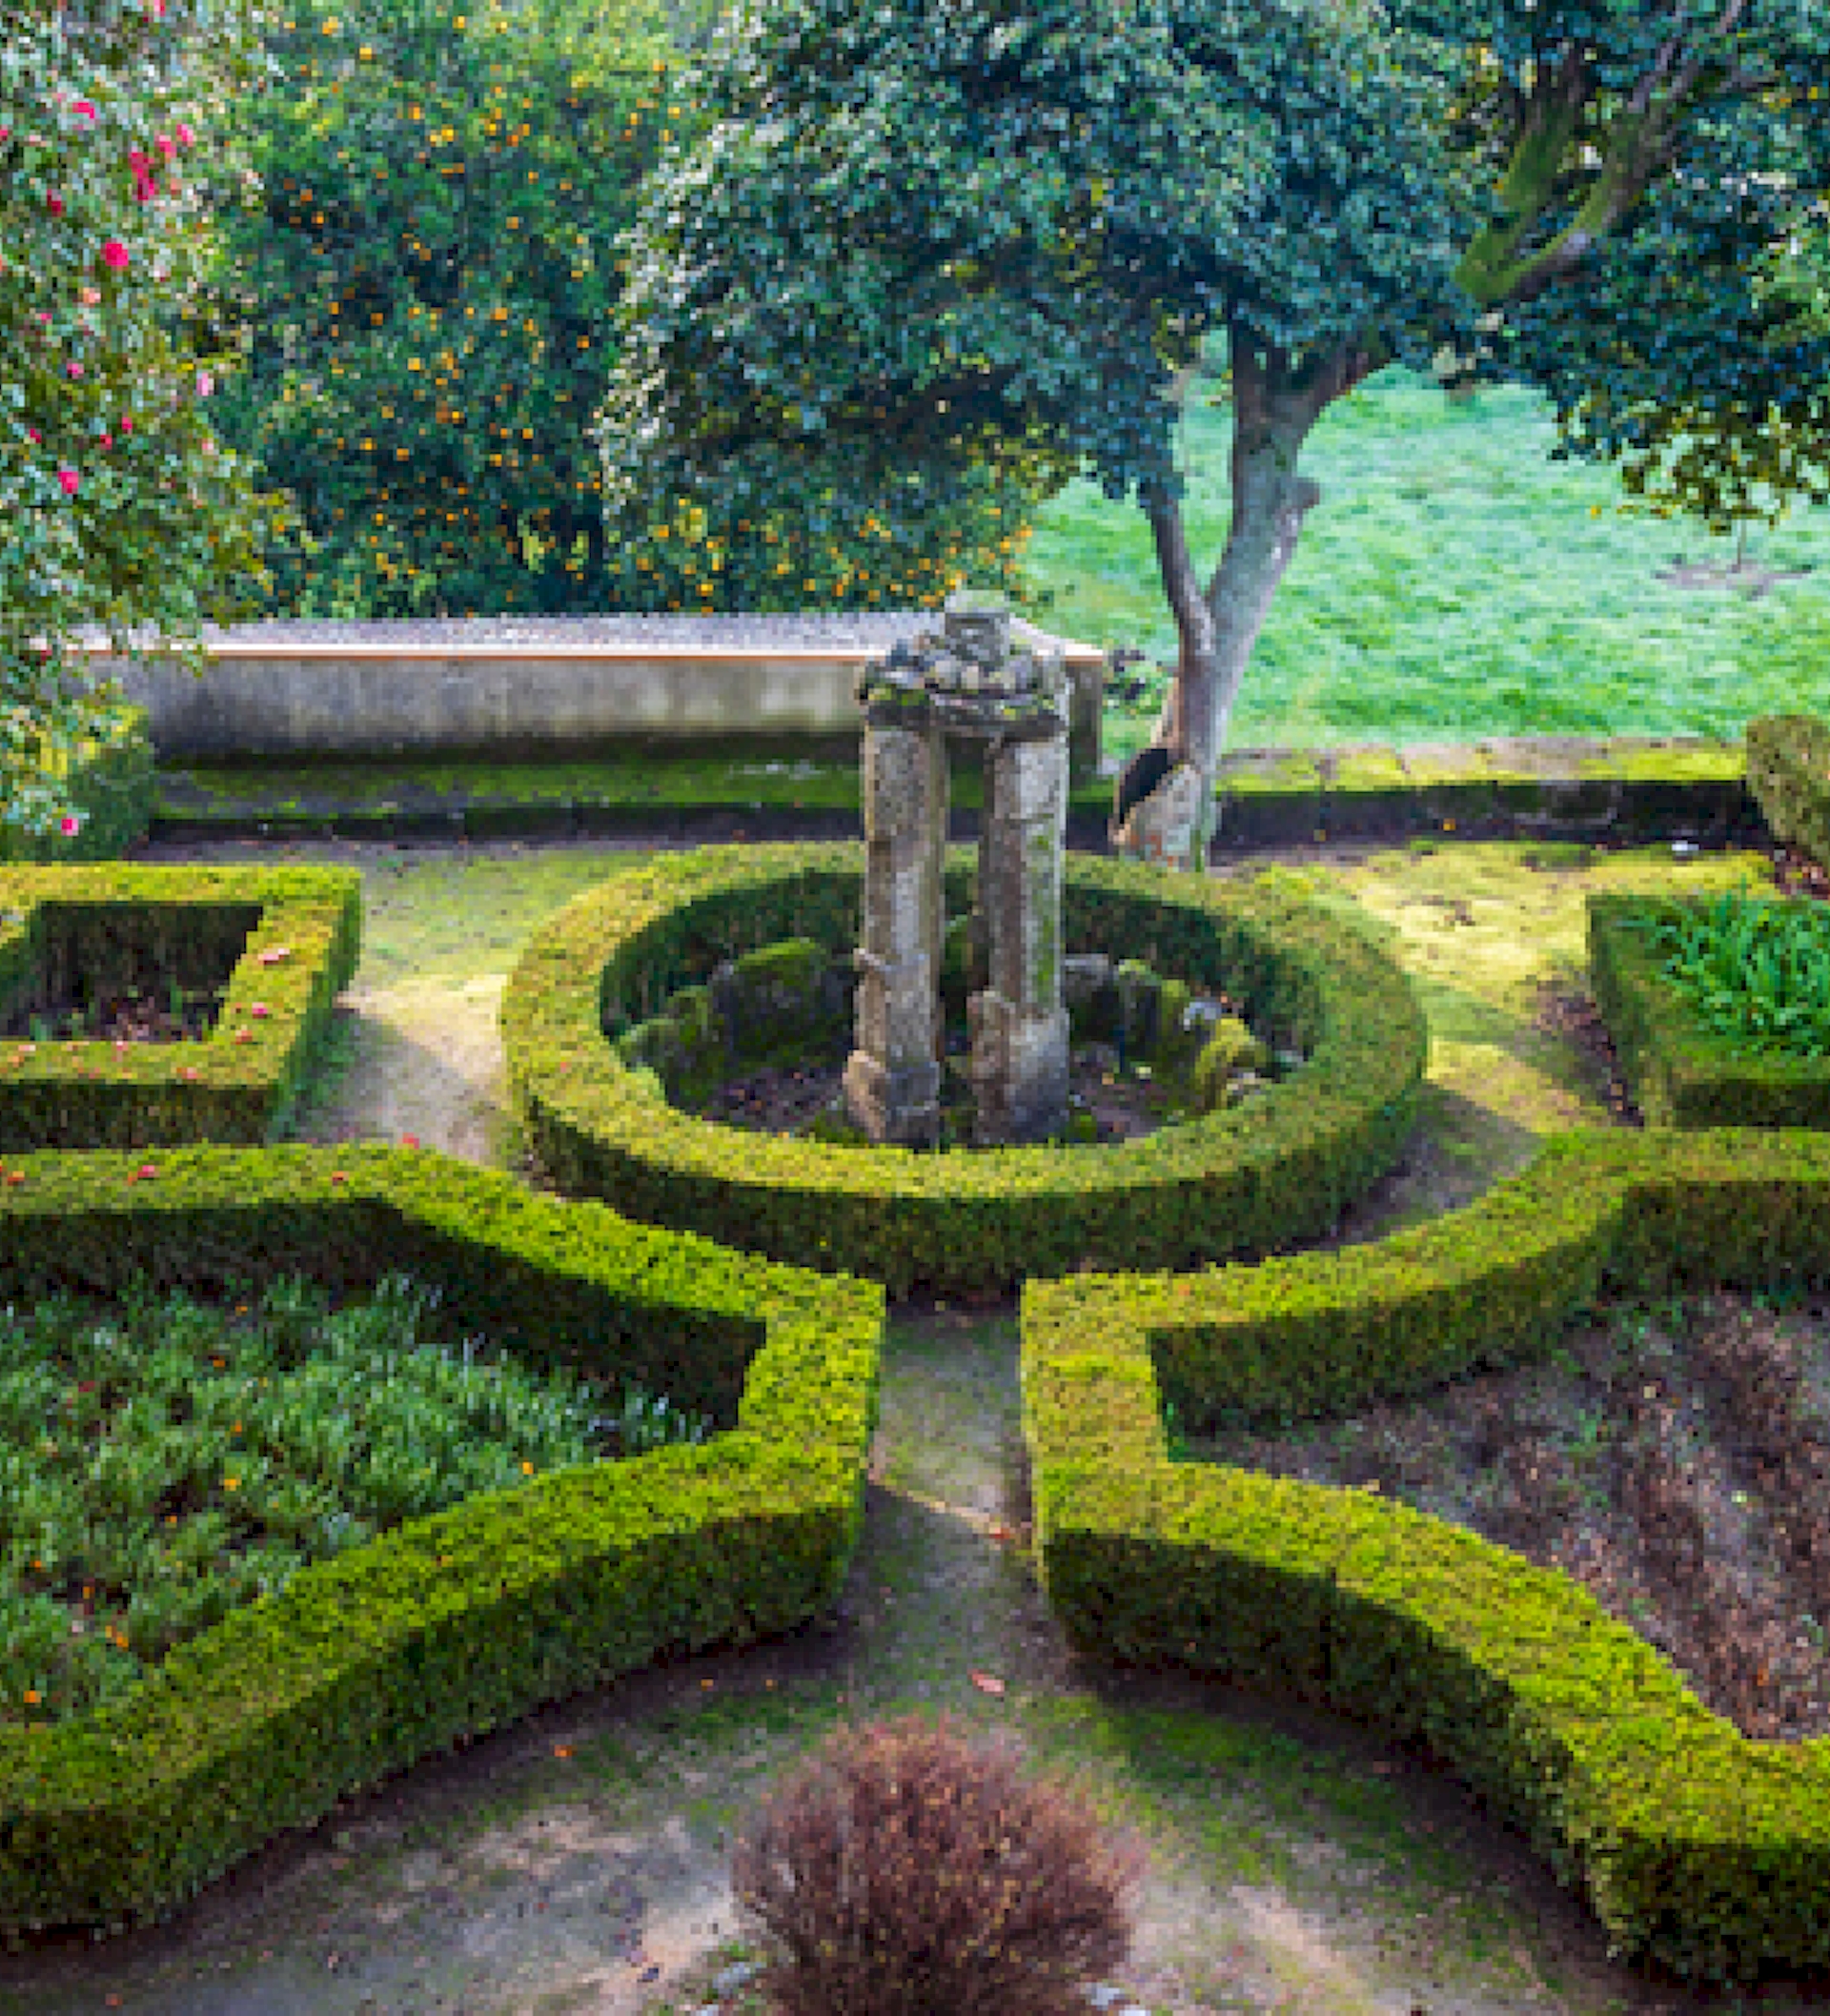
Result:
[
  {"x": 1230, "y": 1047},
  {"x": 1758, "y": 972},
  {"x": 1691, "y": 1844},
  {"x": 464, "y": 1619},
  {"x": 277, "y": 943}
]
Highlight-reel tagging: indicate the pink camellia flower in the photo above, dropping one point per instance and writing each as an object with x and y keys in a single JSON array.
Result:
[
  {"x": 5, "y": 132},
  {"x": 74, "y": 369},
  {"x": 85, "y": 108},
  {"x": 70, "y": 479},
  {"x": 42, "y": 316},
  {"x": 206, "y": 384},
  {"x": 166, "y": 144},
  {"x": 70, "y": 825},
  {"x": 114, "y": 254},
  {"x": 260, "y": 1012},
  {"x": 108, "y": 440},
  {"x": 91, "y": 295},
  {"x": 55, "y": 205},
  {"x": 127, "y": 423},
  {"x": 186, "y": 138},
  {"x": 35, "y": 433}
]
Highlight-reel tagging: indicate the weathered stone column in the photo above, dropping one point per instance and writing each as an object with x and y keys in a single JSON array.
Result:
[
  {"x": 893, "y": 1078},
  {"x": 1019, "y": 1022}
]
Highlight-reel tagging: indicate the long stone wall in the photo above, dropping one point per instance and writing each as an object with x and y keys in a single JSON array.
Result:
[{"x": 552, "y": 686}]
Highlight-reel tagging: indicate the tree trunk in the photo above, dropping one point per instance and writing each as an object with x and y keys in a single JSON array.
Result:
[{"x": 1274, "y": 408}]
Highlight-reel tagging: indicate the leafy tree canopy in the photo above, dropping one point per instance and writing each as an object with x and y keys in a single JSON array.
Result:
[{"x": 934, "y": 238}]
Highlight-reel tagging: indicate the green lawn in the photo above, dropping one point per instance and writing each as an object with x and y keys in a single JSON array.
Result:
[{"x": 1452, "y": 585}]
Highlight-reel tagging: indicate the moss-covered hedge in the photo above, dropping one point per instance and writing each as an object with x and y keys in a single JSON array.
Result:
[
  {"x": 1228, "y": 1183},
  {"x": 287, "y": 941},
  {"x": 1788, "y": 775},
  {"x": 466, "y": 1620},
  {"x": 1680, "y": 1071},
  {"x": 1691, "y": 1843}
]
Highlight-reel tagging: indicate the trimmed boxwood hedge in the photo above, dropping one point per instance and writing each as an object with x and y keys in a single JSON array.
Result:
[
  {"x": 1691, "y": 1844},
  {"x": 1680, "y": 1071},
  {"x": 1242, "y": 1181},
  {"x": 462, "y": 1621},
  {"x": 288, "y": 940},
  {"x": 1788, "y": 761}
]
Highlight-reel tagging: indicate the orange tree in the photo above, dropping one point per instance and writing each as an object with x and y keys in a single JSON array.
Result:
[
  {"x": 429, "y": 292},
  {"x": 119, "y": 510},
  {"x": 927, "y": 239}
]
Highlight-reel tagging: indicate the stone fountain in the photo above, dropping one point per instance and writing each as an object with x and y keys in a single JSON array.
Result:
[{"x": 963, "y": 687}]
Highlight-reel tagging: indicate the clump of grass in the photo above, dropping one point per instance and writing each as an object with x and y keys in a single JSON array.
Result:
[
  {"x": 164, "y": 1461},
  {"x": 1758, "y": 972}
]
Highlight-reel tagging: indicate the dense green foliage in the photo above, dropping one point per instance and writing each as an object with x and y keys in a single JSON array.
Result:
[
  {"x": 430, "y": 283},
  {"x": 164, "y": 1462},
  {"x": 1758, "y": 972},
  {"x": 429, "y": 279},
  {"x": 117, "y": 506},
  {"x": 464, "y": 1619}
]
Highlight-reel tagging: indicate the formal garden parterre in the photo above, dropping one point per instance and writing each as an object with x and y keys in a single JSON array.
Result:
[{"x": 1689, "y": 1841}]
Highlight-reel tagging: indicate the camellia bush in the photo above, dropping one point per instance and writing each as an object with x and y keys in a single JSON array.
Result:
[
  {"x": 120, "y": 511},
  {"x": 430, "y": 291}
]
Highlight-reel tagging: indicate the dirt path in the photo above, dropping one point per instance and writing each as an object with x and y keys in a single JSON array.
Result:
[{"x": 575, "y": 1863}]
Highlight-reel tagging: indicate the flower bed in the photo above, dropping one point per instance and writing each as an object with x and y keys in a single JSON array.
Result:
[
  {"x": 1692, "y": 1842},
  {"x": 277, "y": 943},
  {"x": 164, "y": 1461}
]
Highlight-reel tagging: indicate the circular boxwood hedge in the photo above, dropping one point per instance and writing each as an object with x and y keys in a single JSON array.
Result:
[{"x": 1233, "y": 1184}]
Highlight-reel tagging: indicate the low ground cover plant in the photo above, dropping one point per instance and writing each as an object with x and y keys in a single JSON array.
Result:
[
  {"x": 1757, "y": 970},
  {"x": 907, "y": 1870},
  {"x": 164, "y": 1460}
]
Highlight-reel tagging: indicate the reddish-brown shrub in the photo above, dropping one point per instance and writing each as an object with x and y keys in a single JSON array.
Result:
[{"x": 904, "y": 1870}]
